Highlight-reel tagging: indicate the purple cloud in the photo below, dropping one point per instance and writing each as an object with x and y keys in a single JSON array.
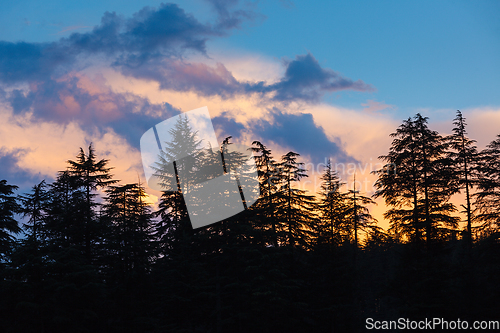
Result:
[
  {"x": 296, "y": 132},
  {"x": 306, "y": 80},
  {"x": 163, "y": 32}
]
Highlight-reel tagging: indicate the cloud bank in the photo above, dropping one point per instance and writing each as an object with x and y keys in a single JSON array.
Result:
[{"x": 58, "y": 96}]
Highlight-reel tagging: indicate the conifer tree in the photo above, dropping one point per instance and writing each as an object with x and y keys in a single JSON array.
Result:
[
  {"x": 464, "y": 158},
  {"x": 34, "y": 206},
  {"x": 417, "y": 182},
  {"x": 89, "y": 175},
  {"x": 296, "y": 210},
  {"x": 176, "y": 169},
  {"x": 357, "y": 215},
  {"x": 268, "y": 183},
  {"x": 398, "y": 183},
  {"x": 130, "y": 217},
  {"x": 30, "y": 255},
  {"x": 488, "y": 195},
  {"x": 8, "y": 208},
  {"x": 437, "y": 181},
  {"x": 179, "y": 158},
  {"x": 66, "y": 207},
  {"x": 333, "y": 205}
]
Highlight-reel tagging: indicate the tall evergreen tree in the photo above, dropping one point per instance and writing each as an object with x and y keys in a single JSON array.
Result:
[
  {"x": 130, "y": 217},
  {"x": 268, "y": 183},
  {"x": 357, "y": 214},
  {"x": 30, "y": 256},
  {"x": 34, "y": 207},
  {"x": 398, "y": 183},
  {"x": 417, "y": 182},
  {"x": 438, "y": 181},
  {"x": 176, "y": 170},
  {"x": 488, "y": 195},
  {"x": 8, "y": 224},
  {"x": 65, "y": 210},
  {"x": 333, "y": 206},
  {"x": 90, "y": 175},
  {"x": 179, "y": 158},
  {"x": 464, "y": 158},
  {"x": 296, "y": 210}
]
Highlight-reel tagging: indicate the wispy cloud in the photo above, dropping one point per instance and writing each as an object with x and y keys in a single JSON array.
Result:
[
  {"x": 72, "y": 28},
  {"x": 374, "y": 106}
]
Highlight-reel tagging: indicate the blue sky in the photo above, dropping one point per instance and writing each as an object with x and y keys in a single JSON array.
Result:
[
  {"x": 325, "y": 79},
  {"x": 440, "y": 54}
]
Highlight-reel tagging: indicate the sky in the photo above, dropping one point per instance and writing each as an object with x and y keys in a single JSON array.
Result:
[{"x": 326, "y": 79}]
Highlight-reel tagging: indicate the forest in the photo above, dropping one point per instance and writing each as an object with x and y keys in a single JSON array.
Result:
[{"x": 88, "y": 254}]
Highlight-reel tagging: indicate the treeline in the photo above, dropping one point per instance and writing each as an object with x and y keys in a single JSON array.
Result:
[
  {"x": 425, "y": 169},
  {"x": 291, "y": 262}
]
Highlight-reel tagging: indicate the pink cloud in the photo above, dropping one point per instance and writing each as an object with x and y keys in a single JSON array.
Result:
[{"x": 372, "y": 105}]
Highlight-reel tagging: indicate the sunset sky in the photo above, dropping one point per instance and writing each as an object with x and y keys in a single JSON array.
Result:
[{"x": 325, "y": 79}]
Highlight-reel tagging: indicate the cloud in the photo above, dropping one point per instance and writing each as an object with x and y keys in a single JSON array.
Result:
[
  {"x": 165, "y": 28},
  {"x": 73, "y": 27},
  {"x": 306, "y": 80},
  {"x": 374, "y": 106},
  {"x": 299, "y": 133},
  {"x": 29, "y": 61},
  {"x": 364, "y": 136},
  {"x": 32, "y": 150},
  {"x": 178, "y": 75},
  {"x": 91, "y": 103},
  {"x": 13, "y": 173},
  {"x": 166, "y": 31},
  {"x": 151, "y": 45},
  {"x": 20, "y": 101},
  {"x": 228, "y": 17},
  {"x": 225, "y": 125}
]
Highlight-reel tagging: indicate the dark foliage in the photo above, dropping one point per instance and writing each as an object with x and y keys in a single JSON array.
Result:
[{"x": 289, "y": 263}]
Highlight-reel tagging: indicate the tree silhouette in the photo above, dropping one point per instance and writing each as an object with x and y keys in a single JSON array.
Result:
[
  {"x": 357, "y": 214},
  {"x": 179, "y": 158},
  {"x": 465, "y": 158},
  {"x": 283, "y": 264},
  {"x": 131, "y": 223},
  {"x": 401, "y": 169},
  {"x": 90, "y": 175},
  {"x": 488, "y": 196},
  {"x": 8, "y": 225},
  {"x": 417, "y": 182},
  {"x": 268, "y": 182},
  {"x": 296, "y": 210},
  {"x": 333, "y": 206},
  {"x": 66, "y": 208},
  {"x": 176, "y": 170},
  {"x": 34, "y": 206}
]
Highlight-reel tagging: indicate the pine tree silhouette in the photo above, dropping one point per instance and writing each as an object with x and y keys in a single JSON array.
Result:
[
  {"x": 488, "y": 196},
  {"x": 464, "y": 157},
  {"x": 8, "y": 225}
]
